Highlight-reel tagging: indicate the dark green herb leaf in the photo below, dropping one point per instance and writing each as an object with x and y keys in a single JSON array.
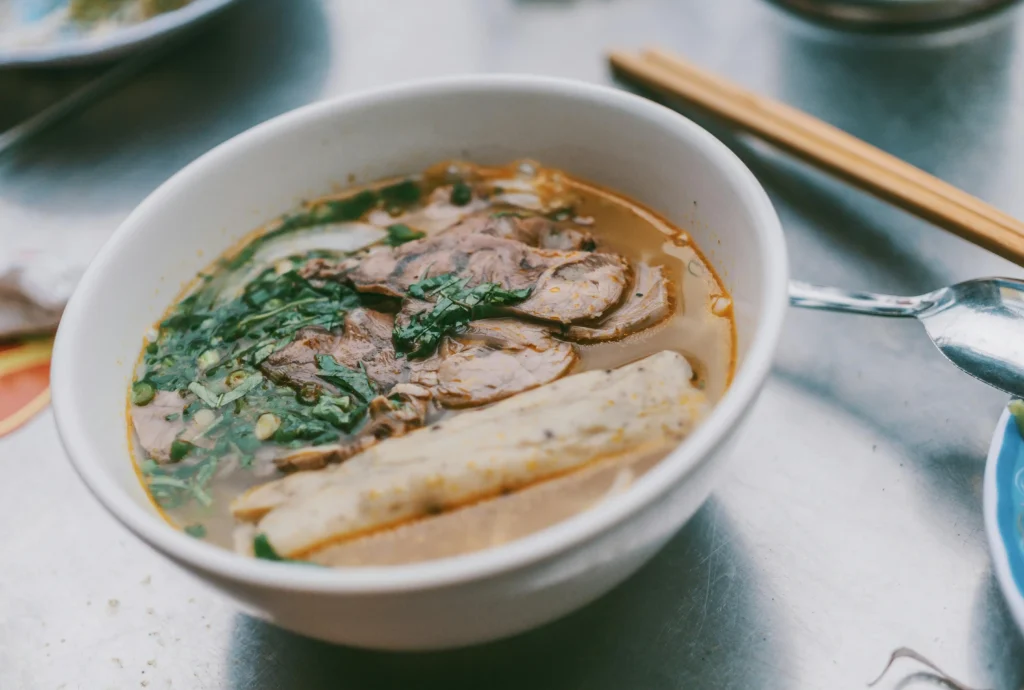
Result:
[
  {"x": 400, "y": 234},
  {"x": 355, "y": 382},
  {"x": 455, "y": 307},
  {"x": 338, "y": 412},
  {"x": 262, "y": 549},
  {"x": 426, "y": 288},
  {"x": 344, "y": 210},
  {"x": 179, "y": 449},
  {"x": 299, "y": 429},
  {"x": 197, "y": 530},
  {"x": 404, "y": 193},
  {"x": 462, "y": 194}
]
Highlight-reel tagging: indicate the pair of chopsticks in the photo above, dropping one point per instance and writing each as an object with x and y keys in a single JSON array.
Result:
[{"x": 827, "y": 147}]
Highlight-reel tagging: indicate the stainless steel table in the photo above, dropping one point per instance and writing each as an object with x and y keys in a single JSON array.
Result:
[{"x": 851, "y": 524}]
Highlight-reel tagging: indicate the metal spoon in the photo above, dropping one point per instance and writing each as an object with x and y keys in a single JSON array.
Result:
[{"x": 978, "y": 325}]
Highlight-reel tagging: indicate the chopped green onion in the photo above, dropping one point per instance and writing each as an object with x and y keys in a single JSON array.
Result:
[
  {"x": 208, "y": 359},
  {"x": 235, "y": 378},
  {"x": 142, "y": 393}
]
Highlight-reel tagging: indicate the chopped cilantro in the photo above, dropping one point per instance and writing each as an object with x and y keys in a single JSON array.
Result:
[
  {"x": 350, "y": 380},
  {"x": 404, "y": 193},
  {"x": 455, "y": 307},
  {"x": 400, "y": 234}
]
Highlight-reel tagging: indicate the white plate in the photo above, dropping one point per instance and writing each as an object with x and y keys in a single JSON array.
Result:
[
  {"x": 1004, "y": 512},
  {"x": 66, "y": 45}
]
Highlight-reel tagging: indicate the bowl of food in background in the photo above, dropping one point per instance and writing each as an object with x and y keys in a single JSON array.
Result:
[
  {"x": 67, "y": 32},
  {"x": 429, "y": 365}
]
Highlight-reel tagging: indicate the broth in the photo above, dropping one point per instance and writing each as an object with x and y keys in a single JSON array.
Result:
[{"x": 233, "y": 387}]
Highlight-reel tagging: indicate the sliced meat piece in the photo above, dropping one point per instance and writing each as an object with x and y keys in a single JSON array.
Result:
[
  {"x": 538, "y": 231},
  {"x": 365, "y": 341},
  {"x": 402, "y": 411},
  {"x": 649, "y": 303},
  {"x": 567, "y": 286},
  {"x": 583, "y": 288},
  {"x": 549, "y": 431},
  {"x": 155, "y": 432},
  {"x": 492, "y": 360}
]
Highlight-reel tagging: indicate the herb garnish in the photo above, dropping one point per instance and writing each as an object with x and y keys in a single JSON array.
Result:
[
  {"x": 404, "y": 193},
  {"x": 197, "y": 530},
  {"x": 355, "y": 382},
  {"x": 455, "y": 306},
  {"x": 215, "y": 400},
  {"x": 400, "y": 234},
  {"x": 462, "y": 194},
  {"x": 261, "y": 548},
  {"x": 208, "y": 350}
]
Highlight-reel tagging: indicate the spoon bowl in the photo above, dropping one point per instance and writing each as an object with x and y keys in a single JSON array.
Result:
[{"x": 978, "y": 324}]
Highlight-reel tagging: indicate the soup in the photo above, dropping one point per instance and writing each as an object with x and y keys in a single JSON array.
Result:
[{"x": 428, "y": 366}]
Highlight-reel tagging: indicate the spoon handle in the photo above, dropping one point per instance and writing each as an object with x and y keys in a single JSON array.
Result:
[{"x": 810, "y": 296}]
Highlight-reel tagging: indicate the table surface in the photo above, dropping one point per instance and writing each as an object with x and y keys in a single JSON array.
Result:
[{"x": 850, "y": 526}]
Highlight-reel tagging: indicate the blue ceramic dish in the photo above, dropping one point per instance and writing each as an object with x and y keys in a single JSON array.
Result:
[{"x": 1004, "y": 512}]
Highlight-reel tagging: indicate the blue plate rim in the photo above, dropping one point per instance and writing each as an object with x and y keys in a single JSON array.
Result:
[
  {"x": 115, "y": 43},
  {"x": 1002, "y": 514}
]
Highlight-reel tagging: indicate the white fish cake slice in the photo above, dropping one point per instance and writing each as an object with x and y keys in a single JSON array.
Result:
[{"x": 537, "y": 435}]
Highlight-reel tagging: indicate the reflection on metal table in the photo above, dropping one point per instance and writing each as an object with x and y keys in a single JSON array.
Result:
[{"x": 850, "y": 524}]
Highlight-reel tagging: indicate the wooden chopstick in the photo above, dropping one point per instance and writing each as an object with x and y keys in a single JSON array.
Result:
[
  {"x": 823, "y": 131},
  {"x": 828, "y": 147}
]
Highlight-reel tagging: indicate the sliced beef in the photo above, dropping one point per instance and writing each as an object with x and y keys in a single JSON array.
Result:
[
  {"x": 365, "y": 341},
  {"x": 537, "y": 231},
  {"x": 650, "y": 302},
  {"x": 492, "y": 360},
  {"x": 566, "y": 286}
]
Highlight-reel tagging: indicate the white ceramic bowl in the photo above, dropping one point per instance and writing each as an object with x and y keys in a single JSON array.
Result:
[{"x": 621, "y": 141}]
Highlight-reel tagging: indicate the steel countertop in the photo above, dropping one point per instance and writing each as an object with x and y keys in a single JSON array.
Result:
[{"x": 850, "y": 523}]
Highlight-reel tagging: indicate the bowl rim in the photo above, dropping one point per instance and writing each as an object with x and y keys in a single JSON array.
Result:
[{"x": 564, "y": 536}]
